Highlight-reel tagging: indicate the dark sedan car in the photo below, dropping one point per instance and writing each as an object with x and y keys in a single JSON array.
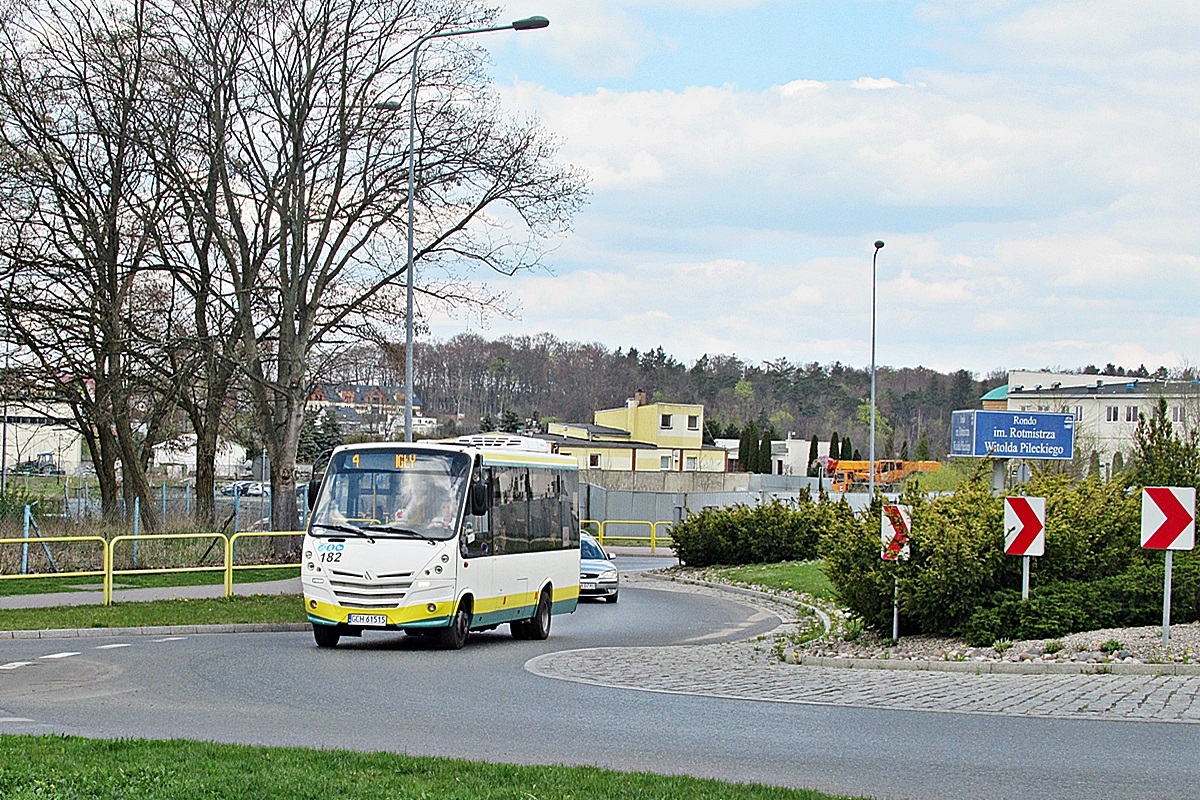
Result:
[{"x": 598, "y": 576}]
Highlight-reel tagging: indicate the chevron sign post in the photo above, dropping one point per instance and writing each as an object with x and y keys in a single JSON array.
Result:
[
  {"x": 1025, "y": 532},
  {"x": 1168, "y": 523},
  {"x": 893, "y": 536},
  {"x": 893, "y": 532}
]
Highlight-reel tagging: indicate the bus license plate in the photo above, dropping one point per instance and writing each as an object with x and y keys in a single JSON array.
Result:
[
  {"x": 587, "y": 586},
  {"x": 367, "y": 619}
]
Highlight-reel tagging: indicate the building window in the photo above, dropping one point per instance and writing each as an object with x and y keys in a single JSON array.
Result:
[
  {"x": 1078, "y": 412},
  {"x": 594, "y": 460},
  {"x": 1111, "y": 414},
  {"x": 1176, "y": 413},
  {"x": 690, "y": 463},
  {"x": 664, "y": 462},
  {"x": 693, "y": 422},
  {"x": 1131, "y": 413},
  {"x": 665, "y": 421}
]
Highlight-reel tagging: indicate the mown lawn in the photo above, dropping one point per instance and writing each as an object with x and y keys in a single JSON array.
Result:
[
  {"x": 70, "y": 768},
  {"x": 210, "y": 611},
  {"x": 795, "y": 576}
]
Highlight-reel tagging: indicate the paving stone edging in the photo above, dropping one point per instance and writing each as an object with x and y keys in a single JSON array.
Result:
[
  {"x": 999, "y": 667},
  {"x": 158, "y": 630}
]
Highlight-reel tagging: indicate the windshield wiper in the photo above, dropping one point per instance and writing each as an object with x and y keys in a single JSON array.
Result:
[
  {"x": 350, "y": 529},
  {"x": 409, "y": 532}
]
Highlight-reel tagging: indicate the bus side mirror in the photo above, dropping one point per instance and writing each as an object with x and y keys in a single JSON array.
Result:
[
  {"x": 314, "y": 488},
  {"x": 479, "y": 498}
]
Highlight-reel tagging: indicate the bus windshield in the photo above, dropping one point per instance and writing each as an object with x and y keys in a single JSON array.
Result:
[{"x": 393, "y": 492}]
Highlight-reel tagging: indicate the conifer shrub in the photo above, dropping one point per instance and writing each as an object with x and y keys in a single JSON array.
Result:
[{"x": 766, "y": 533}]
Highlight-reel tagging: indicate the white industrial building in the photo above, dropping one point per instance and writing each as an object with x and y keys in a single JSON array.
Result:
[{"x": 1105, "y": 407}]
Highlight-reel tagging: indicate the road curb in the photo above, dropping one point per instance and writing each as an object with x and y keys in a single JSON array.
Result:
[
  {"x": 158, "y": 630},
  {"x": 997, "y": 667},
  {"x": 740, "y": 590}
]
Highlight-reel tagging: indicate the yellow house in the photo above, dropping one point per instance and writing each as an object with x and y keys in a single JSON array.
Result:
[{"x": 640, "y": 437}]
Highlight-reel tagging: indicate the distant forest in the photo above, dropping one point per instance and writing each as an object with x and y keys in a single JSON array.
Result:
[{"x": 538, "y": 379}]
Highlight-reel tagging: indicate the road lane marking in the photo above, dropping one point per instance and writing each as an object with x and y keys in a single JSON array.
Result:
[
  {"x": 170, "y": 639},
  {"x": 112, "y": 646},
  {"x": 14, "y": 719},
  {"x": 15, "y": 664},
  {"x": 61, "y": 655}
]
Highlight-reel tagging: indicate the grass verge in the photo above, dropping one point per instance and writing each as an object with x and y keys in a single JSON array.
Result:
[
  {"x": 791, "y": 576},
  {"x": 209, "y": 611},
  {"x": 70, "y": 768},
  {"x": 15, "y": 586}
]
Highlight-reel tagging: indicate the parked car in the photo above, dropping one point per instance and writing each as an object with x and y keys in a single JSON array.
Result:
[
  {"x": 598, "y": 576},
  {"x": 246, "y": 489}
]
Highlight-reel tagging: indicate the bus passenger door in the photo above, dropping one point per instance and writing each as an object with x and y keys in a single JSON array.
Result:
[{"x": 477, "y": 566}]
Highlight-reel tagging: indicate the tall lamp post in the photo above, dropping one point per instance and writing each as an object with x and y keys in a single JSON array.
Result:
[
  {"x": 871, "y": 480},
  {"x": 526, "y": 24}
]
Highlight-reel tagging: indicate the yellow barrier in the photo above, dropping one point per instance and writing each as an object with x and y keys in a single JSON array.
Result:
[
  {"x": 231, "y": 549},
  {"x": 654, "y": 538},
  {"x": 141, "y": 537},
  {"x": 93, "y": 573}
]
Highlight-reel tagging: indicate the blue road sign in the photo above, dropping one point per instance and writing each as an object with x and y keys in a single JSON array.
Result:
[{"x": 1012, "y": 434}]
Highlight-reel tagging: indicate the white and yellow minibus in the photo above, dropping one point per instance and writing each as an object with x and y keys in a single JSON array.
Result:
[{"x": 443, "y": 538}]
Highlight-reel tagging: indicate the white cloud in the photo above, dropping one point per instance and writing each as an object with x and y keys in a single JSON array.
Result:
[{"x": 1036, "y": 206}]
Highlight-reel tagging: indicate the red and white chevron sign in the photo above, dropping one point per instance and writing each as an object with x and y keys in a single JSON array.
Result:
[
  {"x": 1025, "y": 526},
  {"x": 893, "y": 532},
  {"x": 1169, "y": 517}
]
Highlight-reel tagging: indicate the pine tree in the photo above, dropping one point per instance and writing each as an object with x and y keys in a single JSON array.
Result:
[
  {"x": 923, "y": 448},
  {"x": 748, "y": 448},
  {"x": 765, "y": 464},
  {"x": 835, "y": 448},
  {"x": 813, "y": 452},
  {"x": 847, "y": 450}
]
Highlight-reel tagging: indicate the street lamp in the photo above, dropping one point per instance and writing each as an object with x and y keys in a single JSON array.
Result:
[
  {"x": 871, "y": 483},
  {"x": 526, "y": 24}
]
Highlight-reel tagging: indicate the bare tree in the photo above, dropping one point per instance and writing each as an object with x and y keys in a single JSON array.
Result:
[
  {"x": 306, "y": 180},
  {"x": 82, "y": 296}
]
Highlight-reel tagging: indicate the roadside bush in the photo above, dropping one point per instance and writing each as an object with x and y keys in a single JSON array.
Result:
[
  {"x": 767, "y": 533},
  {"x": 958, "y": 581}
]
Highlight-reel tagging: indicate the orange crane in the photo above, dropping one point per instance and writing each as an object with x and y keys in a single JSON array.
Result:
[{"x": 851, "y": 476}]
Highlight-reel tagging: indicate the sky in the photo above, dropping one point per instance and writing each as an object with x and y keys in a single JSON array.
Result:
[{"x": 1032, "y": 167}]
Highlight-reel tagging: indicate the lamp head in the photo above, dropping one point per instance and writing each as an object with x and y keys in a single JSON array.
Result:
[
  {"x": 530, "y": 23},
  {"x": 878, "y": 243}
]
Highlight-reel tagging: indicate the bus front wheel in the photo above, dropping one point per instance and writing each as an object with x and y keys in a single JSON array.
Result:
[
  {"x": 455, "y": 636},
  {"x": 326, "y": 635}
]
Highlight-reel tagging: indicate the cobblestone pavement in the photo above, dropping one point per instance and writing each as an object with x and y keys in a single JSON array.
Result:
[{"x": 751, "y": 671}]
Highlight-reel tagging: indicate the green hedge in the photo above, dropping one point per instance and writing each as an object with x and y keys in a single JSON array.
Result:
[{"x": 767, "y": 533}]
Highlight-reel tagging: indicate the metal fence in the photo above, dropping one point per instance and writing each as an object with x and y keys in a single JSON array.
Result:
[{"x": 147, "y": 554}]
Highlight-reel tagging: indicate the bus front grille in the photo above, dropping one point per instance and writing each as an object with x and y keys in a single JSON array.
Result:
[{"x": 365, "y": 590}]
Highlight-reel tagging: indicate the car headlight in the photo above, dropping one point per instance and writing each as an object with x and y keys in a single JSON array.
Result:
[{"x": 608, "y": 575}]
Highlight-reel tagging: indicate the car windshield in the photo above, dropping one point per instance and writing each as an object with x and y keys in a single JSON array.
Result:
[
  {"x": 589, "y": 549},
  {"x": 401, "y": 493}
]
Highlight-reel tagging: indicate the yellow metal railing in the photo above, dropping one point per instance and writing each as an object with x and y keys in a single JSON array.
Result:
[
  {"x": 231, "y": 552},
  {"x": 108, "y": 551},
  {"x": 90, "y": 573},
  {"x": 147, "y": 537},
  {"x": 655, "y": 538}
]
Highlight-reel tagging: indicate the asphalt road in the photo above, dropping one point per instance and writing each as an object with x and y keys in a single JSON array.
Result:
[{"x": 390, "y": 692}]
